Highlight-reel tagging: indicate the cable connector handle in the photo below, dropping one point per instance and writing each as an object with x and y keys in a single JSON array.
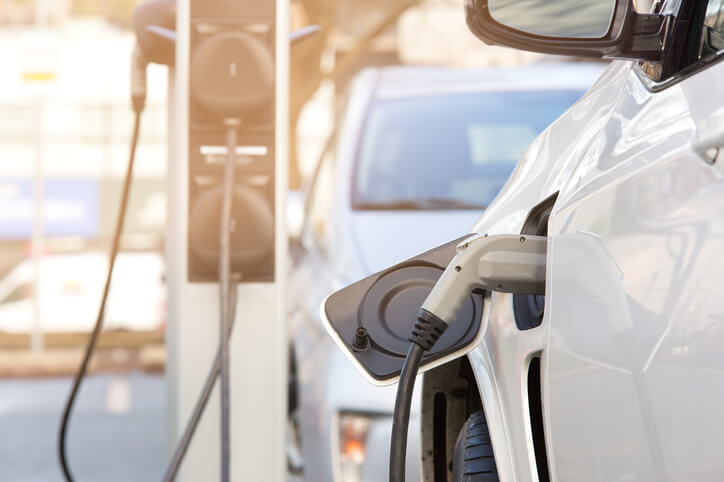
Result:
[
  {"x": 138, "y": 79},
  {"x": 503, "y": 263},
  {"x": 427, "y": 330}
]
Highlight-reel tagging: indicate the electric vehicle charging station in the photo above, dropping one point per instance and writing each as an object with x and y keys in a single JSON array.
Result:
[
  {"x": 197, "y": 149},
  {"x": 225, "y": 241}
]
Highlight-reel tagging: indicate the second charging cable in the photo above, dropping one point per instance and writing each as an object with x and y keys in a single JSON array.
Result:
[{"x": 225, "y": 297}]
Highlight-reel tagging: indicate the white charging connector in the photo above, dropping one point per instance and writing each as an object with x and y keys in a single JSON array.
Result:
[{"x": 503, "y": 263}]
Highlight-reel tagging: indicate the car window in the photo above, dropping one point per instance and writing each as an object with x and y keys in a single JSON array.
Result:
[
  {"x": 19, "y": 293},
  {"x": 448, "y": 152},
  {"x": 712, "y": 35}
]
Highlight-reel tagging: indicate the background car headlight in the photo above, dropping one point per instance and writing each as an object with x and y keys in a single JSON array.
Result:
[{"x": 353, "y": 430}]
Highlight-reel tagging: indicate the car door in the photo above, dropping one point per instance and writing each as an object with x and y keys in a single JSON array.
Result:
[{"x": 633, "y": 374}]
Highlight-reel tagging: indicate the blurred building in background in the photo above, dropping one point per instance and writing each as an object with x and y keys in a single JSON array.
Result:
[
  {"x": 65, "y": 128},
  {"x": 65, "y": 116}
]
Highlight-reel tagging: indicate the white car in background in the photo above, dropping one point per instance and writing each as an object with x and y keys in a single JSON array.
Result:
[
  {"x": 418, "y": 154},
  {"x": 69, "y": 292}
]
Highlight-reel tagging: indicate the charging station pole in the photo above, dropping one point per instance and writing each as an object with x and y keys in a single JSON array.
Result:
[{"x": 258, "y": 347}]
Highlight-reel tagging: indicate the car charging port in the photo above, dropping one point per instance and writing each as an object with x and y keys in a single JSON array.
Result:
[
  {"x": 505, "y": 263},
  {"x": 529, "y": 309}
]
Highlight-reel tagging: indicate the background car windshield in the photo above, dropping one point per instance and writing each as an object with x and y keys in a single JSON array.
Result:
[{"x": 448, "y": 152}]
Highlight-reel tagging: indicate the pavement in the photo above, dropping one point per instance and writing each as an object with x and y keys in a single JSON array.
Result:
[
  {"x": 117, "y": 432},
  {"x": 66, "y": 360},
  {"x": 118, "y": 427},
  {"x": 116, "y": 351}
]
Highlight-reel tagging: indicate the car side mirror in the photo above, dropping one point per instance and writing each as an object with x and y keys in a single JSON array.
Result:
[
  {"x": 295, "y": 215},
  {"x": 601, "y": 28}
]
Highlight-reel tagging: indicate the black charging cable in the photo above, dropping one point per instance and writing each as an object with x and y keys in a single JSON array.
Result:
[
  {"x": 220, "y": 368},
  {"x": 138, "y": 98},
  {"x": 227, "y": 299},
  {"x": 428, "y": 329},
  {"x": 224, "y": 289},
  {"x": 188, "y": 434}
]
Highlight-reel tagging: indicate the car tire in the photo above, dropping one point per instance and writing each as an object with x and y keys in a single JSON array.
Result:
[{"x": 473, "y": 460}]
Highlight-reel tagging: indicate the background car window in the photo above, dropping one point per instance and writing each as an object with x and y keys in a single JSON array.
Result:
[
  {"x": 452, "y": 151},
  {"x": 712, "y": 35}
]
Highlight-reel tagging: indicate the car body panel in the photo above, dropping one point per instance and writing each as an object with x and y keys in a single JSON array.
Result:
[
  {"x": 630, "y": 358},
  {"x": 501, "y": 362},
  {"x": 635, "y": 262}
]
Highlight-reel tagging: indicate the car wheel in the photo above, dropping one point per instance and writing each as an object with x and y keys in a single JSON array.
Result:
[{"x": 473, "y": 460}]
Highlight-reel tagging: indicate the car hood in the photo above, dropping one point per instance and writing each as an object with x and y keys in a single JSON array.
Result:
[{"x": 384, "y": 238}]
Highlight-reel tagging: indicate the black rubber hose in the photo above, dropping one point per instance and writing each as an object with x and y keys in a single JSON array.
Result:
[
  {"x": 401, "y": 418},
  {"x": 227, "y": 300},
  {"x": 185, "y": 440},
  {"x": 93, "y": 340}
]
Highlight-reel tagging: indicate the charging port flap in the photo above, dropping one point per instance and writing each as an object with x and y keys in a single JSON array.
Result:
[{"x": 371, "y": 320}]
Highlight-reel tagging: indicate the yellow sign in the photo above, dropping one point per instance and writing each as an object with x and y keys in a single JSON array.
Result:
[{"x": 38, "y": 76}]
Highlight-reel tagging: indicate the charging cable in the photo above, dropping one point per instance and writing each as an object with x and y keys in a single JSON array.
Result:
[
  {"x": 225, "y": 288},
  {"x": 227, "y": 300},
  {"x": 138, "y": 101},
  {"x": 188, "y": 434},
  {"x": 503, "y": 263},
  {"x": 227, "y": 315},
  {"x": 220, "y": 368}
]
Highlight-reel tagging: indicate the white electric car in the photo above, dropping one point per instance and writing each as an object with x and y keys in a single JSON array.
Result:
[
  {"x": 618, "y": 373},
  {"x": 418, "y": 154}
]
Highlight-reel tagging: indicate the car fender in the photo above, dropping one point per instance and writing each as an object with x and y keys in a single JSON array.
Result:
[{"x": 547, "y": 167}]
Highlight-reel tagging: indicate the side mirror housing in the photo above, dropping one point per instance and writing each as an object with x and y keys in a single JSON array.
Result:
[{"x": 600, "y": 29}]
